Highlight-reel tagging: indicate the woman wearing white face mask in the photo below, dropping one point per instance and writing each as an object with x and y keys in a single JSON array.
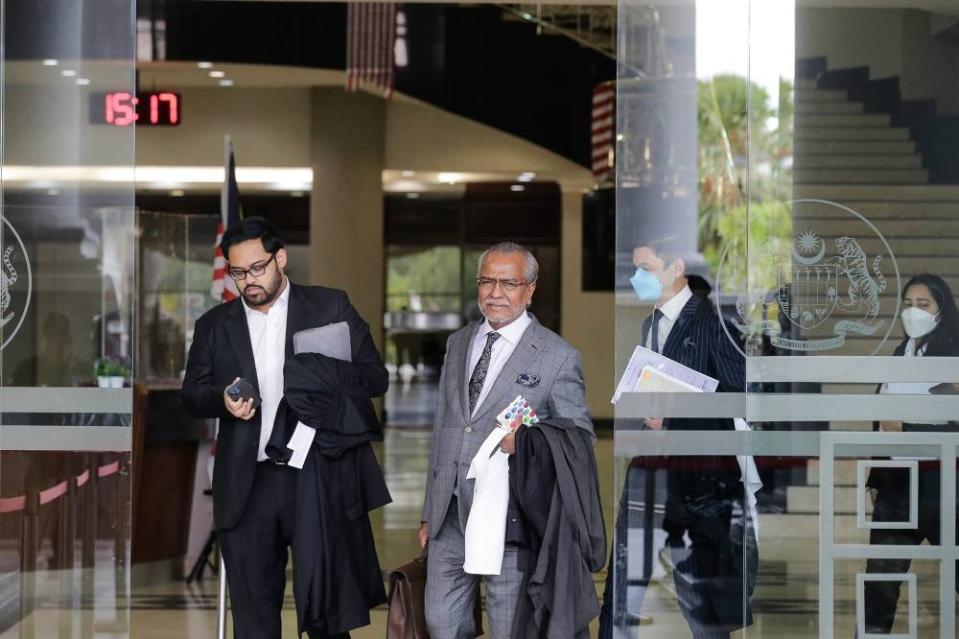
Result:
[{"x": 931, "y": 323}]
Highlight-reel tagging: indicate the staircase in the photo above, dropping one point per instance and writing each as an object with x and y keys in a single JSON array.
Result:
[
  {"x": 843, "y": 154},
  {"x": 861, "y": 161}
]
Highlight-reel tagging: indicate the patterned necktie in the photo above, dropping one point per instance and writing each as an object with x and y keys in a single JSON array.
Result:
[
  {"x": 479, "y": 373},
  {"x": 654, "y": 341}
]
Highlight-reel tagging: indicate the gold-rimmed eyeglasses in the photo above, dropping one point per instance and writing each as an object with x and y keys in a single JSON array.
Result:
[
  {"x": 489, "y": 283},
  {"x": 256, "y": 270}
]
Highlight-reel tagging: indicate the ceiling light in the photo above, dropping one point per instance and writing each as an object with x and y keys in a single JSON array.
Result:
[
  {"x": 176, "y": 193},
  {"x": 53, "y": 191},
  {"x": 517, "y": 188},
  {"x": 412, "y": 196},
  {"x": 225, "y": 82},
  {"x": 68, "y": 73},
  {"x": 50, "y": 62},
  {"x": 205, "y": 65},
  {"x": 297, "y": 193},
  {"x": 83, "y": 82},
  {"x": 217, "y": 74},
  {"x": 528, "y": 176},
  {"x": 408, "y": 173},
  {"x": 448, "y": 178}
]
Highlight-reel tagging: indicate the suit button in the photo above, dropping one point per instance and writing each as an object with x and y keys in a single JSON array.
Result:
[{"x": 469, "y": 429}]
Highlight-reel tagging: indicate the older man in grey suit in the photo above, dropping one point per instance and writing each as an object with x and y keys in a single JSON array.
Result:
[{"x": 487, "y": 365}]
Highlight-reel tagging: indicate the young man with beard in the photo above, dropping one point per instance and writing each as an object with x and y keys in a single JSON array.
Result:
[{"x": 258, "y": 500}]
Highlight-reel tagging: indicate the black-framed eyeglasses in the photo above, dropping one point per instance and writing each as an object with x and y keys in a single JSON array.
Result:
[
  {"x": 256, "y": 270},
  {"x": 489, "y": 283}
]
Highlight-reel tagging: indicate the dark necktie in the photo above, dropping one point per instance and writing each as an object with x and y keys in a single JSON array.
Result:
[
  {"x": 654, "y": 341},
  {"x": 479, "y": 373}
]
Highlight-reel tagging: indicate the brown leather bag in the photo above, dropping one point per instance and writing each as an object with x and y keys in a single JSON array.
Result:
[{"x": 406, "y": 618}]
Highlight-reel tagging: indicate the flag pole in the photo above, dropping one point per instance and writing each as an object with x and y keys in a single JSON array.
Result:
[
  {"x": 221, "y": 602},
  {"x": 224, "y": 207}
]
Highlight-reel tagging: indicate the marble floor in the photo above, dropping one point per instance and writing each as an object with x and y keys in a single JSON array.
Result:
[{"x": 785, "y": 602}]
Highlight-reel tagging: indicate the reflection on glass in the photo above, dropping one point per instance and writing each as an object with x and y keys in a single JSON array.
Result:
[
  {"x": 175, "y": 254},
  {"x": 793, "y": 155}
]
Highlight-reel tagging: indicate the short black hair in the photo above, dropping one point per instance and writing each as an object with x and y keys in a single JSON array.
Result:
[{"x": 252, "y": 228}]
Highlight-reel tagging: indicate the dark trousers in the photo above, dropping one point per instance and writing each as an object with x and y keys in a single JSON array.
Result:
[
  {"x": 255, "y": 553},
  {"x": 892, "y": 504},
  {"x": 715, "y": 572}
]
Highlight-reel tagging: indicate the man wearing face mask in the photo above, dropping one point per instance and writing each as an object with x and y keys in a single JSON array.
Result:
[
  {"x": 931, "y": 323},
  {"x": 705, "y": 519}
]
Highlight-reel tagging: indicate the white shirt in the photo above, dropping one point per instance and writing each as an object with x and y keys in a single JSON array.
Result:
[
  {"x": 268, "y": 339},
  {"x": 912, "y": 388},
  {"x": 670, "y": 311},
  {"x": 509, "y": 337}
]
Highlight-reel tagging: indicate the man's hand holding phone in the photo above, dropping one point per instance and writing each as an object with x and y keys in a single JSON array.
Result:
[{"x": 240, "y": 399}]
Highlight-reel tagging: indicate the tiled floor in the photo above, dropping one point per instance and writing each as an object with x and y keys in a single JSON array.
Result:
[{"x": 785, "y": 601}]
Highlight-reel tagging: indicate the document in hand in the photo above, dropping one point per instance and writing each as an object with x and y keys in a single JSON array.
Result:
[
  {"x": 664, "y": 375},
  {"x": 332, "y": 340}
]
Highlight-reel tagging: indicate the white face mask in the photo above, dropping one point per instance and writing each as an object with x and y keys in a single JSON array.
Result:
[{"x": 918, "y": 322}]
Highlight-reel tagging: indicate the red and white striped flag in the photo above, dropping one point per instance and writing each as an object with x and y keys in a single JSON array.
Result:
[
  {"x": 603, "y": 129},
  {"x": 370, "y": 42},
  {"x": 223, "y": 287}
]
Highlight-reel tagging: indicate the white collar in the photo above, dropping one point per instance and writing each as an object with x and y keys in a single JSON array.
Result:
[
  {"x": 674, "y": 307},
  {"x": 512, "y": 332},
  {"x": 280, "y": 302}
]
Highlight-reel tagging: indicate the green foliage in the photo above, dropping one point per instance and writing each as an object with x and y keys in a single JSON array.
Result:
[
  {"x": 106, "y": 367},
  {"x": 432, "y": 272},
  {"x": 745, "y": 145}
]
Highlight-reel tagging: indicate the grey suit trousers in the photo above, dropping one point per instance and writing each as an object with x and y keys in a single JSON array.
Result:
[{"x": 450, "y": 592}]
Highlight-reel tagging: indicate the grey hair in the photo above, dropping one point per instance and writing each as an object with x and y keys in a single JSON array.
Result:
[{"x": 531, "y": 270}]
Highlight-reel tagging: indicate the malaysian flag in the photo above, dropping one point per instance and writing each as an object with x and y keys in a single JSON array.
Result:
[
  {"x": 604, "y": 124},
  {"x": 223, "y": 287},
  {"x": 370, "y": 42}
]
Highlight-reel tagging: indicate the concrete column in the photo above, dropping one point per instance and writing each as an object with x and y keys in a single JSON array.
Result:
[{"x": 346, "y": 208}]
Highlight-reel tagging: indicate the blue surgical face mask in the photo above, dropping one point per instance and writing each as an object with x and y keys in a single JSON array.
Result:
[{"x": 647, "y": 286}]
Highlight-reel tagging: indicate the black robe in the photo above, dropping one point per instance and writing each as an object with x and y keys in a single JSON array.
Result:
[
  {"x": 336, "y": 572},
  {"x": 554, "y": 493}
]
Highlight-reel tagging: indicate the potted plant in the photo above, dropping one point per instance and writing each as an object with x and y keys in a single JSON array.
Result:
[{"x": 110, "y": 373}]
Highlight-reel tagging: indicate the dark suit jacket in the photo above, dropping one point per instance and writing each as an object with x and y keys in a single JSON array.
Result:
[
  {"x": 698, "y": 340},
  {"x": 221, "y": 351},
  {"x": 555, "y": 486}
]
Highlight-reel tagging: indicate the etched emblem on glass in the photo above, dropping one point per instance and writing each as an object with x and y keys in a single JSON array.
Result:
[
  {"x": 814, "y": 282},
  {"x": 15, "y": 283}
]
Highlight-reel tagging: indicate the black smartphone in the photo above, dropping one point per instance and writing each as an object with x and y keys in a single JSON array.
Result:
[{"x": 241, "y": 389}]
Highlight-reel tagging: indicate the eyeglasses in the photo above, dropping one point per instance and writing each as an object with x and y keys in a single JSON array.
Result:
[
  {"x": 489, "y": 283},
  {"x": 256, "y": 270}
]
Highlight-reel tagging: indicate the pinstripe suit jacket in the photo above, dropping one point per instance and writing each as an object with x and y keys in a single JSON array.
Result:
[
  {"x": 698, "y": 340},
  {"x": 560, "y": 392}
]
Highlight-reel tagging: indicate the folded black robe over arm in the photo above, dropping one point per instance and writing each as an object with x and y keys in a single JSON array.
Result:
[
  {"x": 336, "y": 572},
  {"x": 554, "y": 488}
]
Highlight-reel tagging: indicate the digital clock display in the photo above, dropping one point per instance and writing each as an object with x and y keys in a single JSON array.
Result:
[{"x": 122, "y": 108}]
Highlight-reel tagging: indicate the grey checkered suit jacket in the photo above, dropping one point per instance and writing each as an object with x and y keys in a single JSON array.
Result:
[{"x": 560, "y": 392}]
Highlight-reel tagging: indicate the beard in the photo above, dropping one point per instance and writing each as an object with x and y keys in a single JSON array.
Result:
[{"x": 258, "y": 295}]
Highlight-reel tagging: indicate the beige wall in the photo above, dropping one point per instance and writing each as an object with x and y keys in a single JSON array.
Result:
[
  {"x": 587, "y": 320},
  {"x": 852, "y": 37},
  {"x": 269, "y": 128},
  {"x": 891, "y": 42},
  {"x": 420, "y": 137}
]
